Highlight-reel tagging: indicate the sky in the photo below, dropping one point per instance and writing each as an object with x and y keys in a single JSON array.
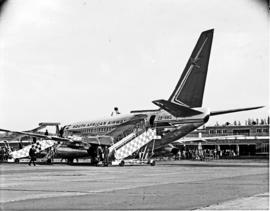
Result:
[{"x": 67, "y": 61}]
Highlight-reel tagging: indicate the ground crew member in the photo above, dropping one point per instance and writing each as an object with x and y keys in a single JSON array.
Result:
[
  {"x": 99, "y": 153},
  {"x": 115, "y": 112},
  {"x": 32, "y": 155}
]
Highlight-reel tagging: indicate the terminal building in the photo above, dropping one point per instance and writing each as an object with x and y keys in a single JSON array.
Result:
[{"x": 251, "y": 139}]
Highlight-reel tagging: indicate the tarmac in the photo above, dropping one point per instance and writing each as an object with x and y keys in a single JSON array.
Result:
[{"x": 170, "y": 185}]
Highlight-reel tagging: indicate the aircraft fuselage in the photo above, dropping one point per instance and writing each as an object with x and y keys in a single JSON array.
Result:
[{"x": 169, "y": 127}]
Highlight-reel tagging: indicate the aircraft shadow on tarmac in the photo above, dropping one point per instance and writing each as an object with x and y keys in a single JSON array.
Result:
[{"x": 261, "y": 164}]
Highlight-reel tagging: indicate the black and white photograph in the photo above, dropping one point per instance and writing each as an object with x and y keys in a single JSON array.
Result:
[{"x": 134, "y": 104}]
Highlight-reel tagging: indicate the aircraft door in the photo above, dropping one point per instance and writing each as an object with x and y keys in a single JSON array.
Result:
[{"x": 152, "y": 120}]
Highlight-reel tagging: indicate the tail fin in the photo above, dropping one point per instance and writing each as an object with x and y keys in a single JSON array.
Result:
[{"x": 190, "y": 88}]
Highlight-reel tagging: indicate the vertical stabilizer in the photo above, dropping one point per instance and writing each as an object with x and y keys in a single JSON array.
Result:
[{"x": 190, "y": 88}]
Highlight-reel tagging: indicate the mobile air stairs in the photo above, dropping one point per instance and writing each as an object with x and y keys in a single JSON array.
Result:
[
  {"x": 39, "y": 146},
  {"x": 132, "y": 143}
]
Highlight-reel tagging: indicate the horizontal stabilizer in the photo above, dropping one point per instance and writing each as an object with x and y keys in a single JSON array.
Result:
[
  {"x": 176, "y": 109},
  {"x": 213, "y": 113}
]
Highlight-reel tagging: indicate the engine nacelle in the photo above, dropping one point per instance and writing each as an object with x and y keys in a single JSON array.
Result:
[{"x": 171, "y": 149}]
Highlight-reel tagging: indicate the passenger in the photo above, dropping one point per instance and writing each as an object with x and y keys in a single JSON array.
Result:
[
  {"x": 177, "y": 155},
  {"x": 112, "y": 154},
  {"x": 99, "y": 154},
  {"x": 215, "y": 153},
  {"x": 46, "y": 133},
  {"x": 61, "y": 131},
  {"x": 146, "y": 124},
  {"x": 20, "y": 144},
  {"x": 233, "y": 154},
  {"x": 221, "y": 153},
  {"x": 92, "y": 151},
  {"x": 184, "y": 154},
  {"x": 218, "y": 154},
  {"x": 32, "y": 155},
  {"x": 2, "y": 153},
  {"x": 211, "y": 153},
  {"x": 106, "y": 156},
  {"x": 5, "y": 150},
  {"x": 135, "y": 130}
]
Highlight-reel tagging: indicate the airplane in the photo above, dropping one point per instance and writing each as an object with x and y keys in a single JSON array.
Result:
[
  {"x": 14, "y": 143},
  {"x": 179, "y": 115}
]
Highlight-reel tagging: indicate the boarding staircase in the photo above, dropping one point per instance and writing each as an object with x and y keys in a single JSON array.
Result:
[
  {"x": 132, "y": 143},
  {"x": 39, "y": 146}
]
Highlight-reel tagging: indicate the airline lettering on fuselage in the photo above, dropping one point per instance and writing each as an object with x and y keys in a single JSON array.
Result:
[{"x": 97, "y": 124}]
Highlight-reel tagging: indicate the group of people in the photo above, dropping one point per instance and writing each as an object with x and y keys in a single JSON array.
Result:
[
  {"x": 4, "y": 153},
  {"x": 195, "y": 154},
  {"x": 99, "y": 154}
]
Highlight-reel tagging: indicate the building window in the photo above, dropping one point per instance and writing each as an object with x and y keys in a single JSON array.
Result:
[
  {"x": 259, "y": 130},
  {"x": 211, "y": 131},
  {"x": 224, "y": 131},
  {"x": 245, "y": 132},
  {"x": 218, "y": 131},
  {"x": 266, "y": 130}
]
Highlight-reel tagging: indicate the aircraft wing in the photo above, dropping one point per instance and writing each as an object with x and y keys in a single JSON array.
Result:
[
  {"x": 126, "y": 125},
  {"x": 16, "y": 135},
  {"x": 37, "y": 135},
  {"x": 99, "y": 140}
]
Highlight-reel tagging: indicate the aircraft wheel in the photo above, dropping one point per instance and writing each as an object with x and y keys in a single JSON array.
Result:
[
  {"x": 17, "y": 160},
  {"x": 49, "y": 161},
  {"x": 70, "y": 161},
  {"x": 152, "y": 162},
  {"x": 122, "y": 163}
]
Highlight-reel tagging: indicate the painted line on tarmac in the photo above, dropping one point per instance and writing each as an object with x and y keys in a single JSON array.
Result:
[{"x": 255, "y": 202}]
